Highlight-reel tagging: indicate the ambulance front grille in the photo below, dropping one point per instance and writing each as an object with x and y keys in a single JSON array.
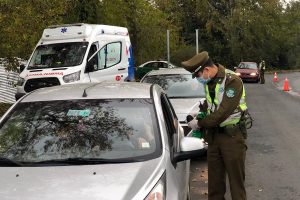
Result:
[{"x": 33, "y": 84}]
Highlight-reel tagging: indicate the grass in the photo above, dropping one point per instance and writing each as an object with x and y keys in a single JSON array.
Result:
[{"x": 4, "y": 107}]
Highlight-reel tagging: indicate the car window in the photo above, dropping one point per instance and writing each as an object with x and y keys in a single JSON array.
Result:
[
  {"x": 178, "y": 85},
  {"x": 171, "y": 121},
  {"x": 248, "y": 66},
  {"x": 117, "y": 129},
  {"x": 152, "y": 65}
]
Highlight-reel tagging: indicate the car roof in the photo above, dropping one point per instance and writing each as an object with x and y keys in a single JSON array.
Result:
[
  {"x": 101, "y": 90},
  {"x": 168, "y": 71}
]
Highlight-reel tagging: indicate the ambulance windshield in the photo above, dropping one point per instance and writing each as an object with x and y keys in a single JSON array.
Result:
[{"x": 58, "y": 55}]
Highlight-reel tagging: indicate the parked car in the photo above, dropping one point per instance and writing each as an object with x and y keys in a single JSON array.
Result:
[
  {"x": 248, "y": 71},
  {"x": 95, "y": 141},
  {"x": 152, "y": 65},
  {"x": 184, "y": 92}
]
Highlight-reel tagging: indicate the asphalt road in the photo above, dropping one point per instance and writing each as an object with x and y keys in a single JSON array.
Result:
[{"x": 273, "y": 155}]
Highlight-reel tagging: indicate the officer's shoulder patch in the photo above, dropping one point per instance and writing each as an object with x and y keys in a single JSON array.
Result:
[{"x": 230, "y": 92}]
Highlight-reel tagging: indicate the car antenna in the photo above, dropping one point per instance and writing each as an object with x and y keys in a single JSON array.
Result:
[{"x": 84, "y": 94}]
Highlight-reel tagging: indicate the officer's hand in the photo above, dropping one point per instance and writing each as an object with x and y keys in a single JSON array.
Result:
[
  {"x": 191, "y": 116},
  {"x": 193, "y": 124}
]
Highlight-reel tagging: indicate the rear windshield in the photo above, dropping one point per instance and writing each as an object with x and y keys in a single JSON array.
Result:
[
  {"x": 115, "y": 130},
  {"x": 178, "y": 85},
  {"x": 58, "y": 55}
]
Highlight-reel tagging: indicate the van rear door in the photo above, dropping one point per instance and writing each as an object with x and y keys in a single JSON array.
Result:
[{"x": 110, "y": 62}]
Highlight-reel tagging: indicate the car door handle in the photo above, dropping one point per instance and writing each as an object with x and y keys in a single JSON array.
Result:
[{"x": 120, "y": 69}]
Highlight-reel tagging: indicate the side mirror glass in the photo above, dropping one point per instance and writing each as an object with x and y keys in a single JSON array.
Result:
[{"x": 191, "y": 147}]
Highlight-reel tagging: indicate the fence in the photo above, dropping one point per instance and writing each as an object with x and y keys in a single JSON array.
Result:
[{"x": 8, "y": 80}]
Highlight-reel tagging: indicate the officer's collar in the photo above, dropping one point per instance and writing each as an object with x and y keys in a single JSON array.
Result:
[{"x": 220, "y": 74}]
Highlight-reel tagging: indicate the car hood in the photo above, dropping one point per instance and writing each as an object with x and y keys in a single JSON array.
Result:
[
  {"x": 246, "y": 70},
  {"x": 183, "y": 107},
  {"x": 85, "y": 182}
]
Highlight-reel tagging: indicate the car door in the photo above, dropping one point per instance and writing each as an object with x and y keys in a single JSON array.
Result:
[
  {"x": 110, "y": 62},
  {"x": 175, "y": 134}
]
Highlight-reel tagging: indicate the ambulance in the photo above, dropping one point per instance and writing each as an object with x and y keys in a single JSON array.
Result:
[{"x": 77, "y": 53}]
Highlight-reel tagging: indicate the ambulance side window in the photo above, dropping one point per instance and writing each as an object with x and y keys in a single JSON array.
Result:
[
  {"x": 93, "y": 63},
  {"x": 110, "y": 55}
]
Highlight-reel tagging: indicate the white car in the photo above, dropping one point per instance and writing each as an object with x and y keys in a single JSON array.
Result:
[
  {"x": 152, "y": 65},
  {"x": 112, "y": 141},
  {"x": 184, "y": 92}
]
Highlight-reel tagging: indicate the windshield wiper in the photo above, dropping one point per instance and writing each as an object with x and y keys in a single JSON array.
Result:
[
  {"x": 8, "y": 162},
  {"x": 83, "y": 161}
]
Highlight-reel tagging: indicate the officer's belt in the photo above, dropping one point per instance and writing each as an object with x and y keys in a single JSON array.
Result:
[{"x": 228, "y": 128}]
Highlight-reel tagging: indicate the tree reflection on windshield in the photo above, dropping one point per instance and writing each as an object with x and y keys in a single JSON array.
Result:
[
  {"x": 109, "y": 129},
  {"x": 178, "y": 85}
]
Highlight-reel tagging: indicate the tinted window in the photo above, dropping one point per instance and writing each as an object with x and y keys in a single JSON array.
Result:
[
  {"x": 178, "y": 85},
  {"x": 152, "y": 65},
  {"x": 105, "y": 129},
  {"x": 58, "y": 55}
]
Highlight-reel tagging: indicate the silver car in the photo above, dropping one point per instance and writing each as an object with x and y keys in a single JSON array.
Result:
[
  {"x": 110, "y": 141},
  {"x": 184, "y": 92}
]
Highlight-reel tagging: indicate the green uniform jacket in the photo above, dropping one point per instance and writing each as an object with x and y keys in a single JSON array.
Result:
[{"x": 228, "y": 104}]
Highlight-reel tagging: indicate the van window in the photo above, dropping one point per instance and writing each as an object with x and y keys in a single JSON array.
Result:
[
  {"x": 58, "y": 55},
  {"x": 110, "y": 55},
  {"x": 94, "y": 61}
]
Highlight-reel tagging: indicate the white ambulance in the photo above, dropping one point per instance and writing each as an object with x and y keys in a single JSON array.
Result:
[{"x": 78, "y": 53}]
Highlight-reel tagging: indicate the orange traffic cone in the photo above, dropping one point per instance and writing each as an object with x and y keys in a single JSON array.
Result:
[
  {"x": 286, "y": 85},
  {"x": 275, "y": 79}
]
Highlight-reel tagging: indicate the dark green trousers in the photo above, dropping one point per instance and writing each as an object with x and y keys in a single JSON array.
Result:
[{"x": 226, "y": 154}]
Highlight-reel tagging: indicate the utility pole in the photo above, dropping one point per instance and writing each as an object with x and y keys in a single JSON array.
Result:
[
  {"x": 168, "y": 45},
  {"x": 197, "y": 41}
]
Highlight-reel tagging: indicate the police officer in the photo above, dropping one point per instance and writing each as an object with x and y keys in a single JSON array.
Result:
[
  {"x": 225, "y": 103},
  {"x": 262, "y": 68}
]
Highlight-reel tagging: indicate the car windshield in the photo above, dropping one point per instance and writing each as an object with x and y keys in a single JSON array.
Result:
[
  {"x": 178, "y": 85},
  {"x": 248, "y": 66},
  {"x": 58, "y": 55},
  {"x": 116, "y": 130}
]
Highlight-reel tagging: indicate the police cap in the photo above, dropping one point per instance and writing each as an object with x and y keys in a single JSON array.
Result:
[{"x": 197, "y": 62}]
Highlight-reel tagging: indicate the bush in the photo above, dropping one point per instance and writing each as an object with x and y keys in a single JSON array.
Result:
[{"x": 4, "y": 107}]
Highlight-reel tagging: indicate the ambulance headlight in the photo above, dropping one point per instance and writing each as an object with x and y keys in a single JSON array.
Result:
[
  {"x": 20, "y": 81},
  {"x": 72, "y": 77}
]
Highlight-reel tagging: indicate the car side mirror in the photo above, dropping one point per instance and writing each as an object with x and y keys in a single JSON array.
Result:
[
  {"x": 191, "y": 147},
  {"x": 22, "y": 67},
  {"x": 234, "y": 67}
]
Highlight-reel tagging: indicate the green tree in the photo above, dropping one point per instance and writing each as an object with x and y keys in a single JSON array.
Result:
[
  {"x": 22, "y": 23},
  {"x": 147, "y": 27}
]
